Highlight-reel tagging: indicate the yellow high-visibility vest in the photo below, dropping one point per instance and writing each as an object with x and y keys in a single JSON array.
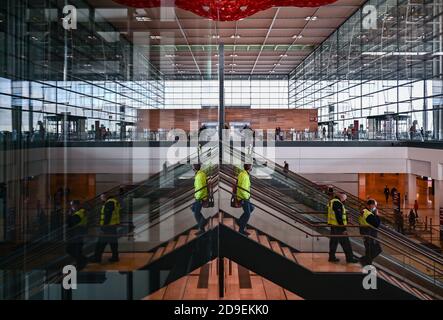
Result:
[
  {"x": 243, "y": 186},
  {"x": 200, "y": 186},
  {"x": 332, "y": 220},
  {"x": 83, "y": 218},
  {"x": 363, "y": 217},
  {"x": 115, "y": 218}
]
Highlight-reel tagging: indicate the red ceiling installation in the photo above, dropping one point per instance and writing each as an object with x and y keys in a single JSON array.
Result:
[{"x": 224, "y": 10}]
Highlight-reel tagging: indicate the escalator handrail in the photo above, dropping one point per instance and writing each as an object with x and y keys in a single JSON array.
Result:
[
  {"x": 92, "y": 207},
  {"x": 387, "y": 244},
  {"x": 431, "y": 254},
  {"x": 358, "y": 201},
  {"x": 268, "y": 196}
]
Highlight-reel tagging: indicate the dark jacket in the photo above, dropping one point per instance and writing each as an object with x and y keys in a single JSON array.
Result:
[
  {"x": 109, "y": 208},
  {"x": 337, "y": 207},
  {"x": 374, "y": 221}
]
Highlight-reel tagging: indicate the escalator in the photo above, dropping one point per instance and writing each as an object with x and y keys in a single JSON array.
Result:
[
  {"x": 160, "y": 195},
  {"x": 288, "y": 245},
  {"x": 305, "y": 205}
]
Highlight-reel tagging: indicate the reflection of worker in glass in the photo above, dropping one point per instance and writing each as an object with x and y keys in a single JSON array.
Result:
[
  {"x": 77, "y": 228},
  {"x": 200, "y": 195},
  {"x": 109, "y": 221},
  {"x": 244, "y": 195},
  {"x": 337, "y": 219},
  {"x": 369, "y": 222}
]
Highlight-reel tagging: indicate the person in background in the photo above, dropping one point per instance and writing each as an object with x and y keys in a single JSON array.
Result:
[
  {"x": 369, "y": 222},
  {"x": 412, "y": 131},
  {"x": 109, "y": 222},
  {"x": 277, "y": 133},
  {"x": 286, "y": 167},
  {"x": 200, "y": 195},
  {"x": 399, "y": 221},
  {"x": 244, "y": 195},
  {"x": 324, "y": 132},
  {"x": 330, "y": 192},
  {"x": 386, "y": 193},
  {"x": 412, "y": 220},
  {"x": 77, "y": 222},
  {"x": 416, "y": 208},
  {"x": 393, "y": 192},
  {"x": 337, "y": 219},
  {"x": 422, "y": 133},
  {"x": 41, "y": 130}
]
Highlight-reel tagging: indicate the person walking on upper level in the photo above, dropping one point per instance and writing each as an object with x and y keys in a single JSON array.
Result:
[
  {"x": 109, "y": 222},
  {"x": 369, "y": 222},
  {"x": 386, "y": 192},
  {"x": 337, "y": 219},
  {"x": 244, "y": 195},
  {"x": 412, "y": 220},
  {"x": 200, "y": 195},
  {"x": 416, "y": 208}
]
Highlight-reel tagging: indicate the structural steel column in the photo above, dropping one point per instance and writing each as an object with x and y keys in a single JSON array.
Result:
[{"x": 221, "y": 123}]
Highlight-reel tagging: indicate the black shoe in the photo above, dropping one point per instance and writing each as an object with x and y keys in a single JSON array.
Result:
[
  {"x": 113, "y": 259},
  {"x": 245, "y": 233},
  {"x": 199, "y": 232},
  {"x": 205, "y": 223},
  {"x": 333, "y": 259},
  {"x": 352, "y": 260},
  {"x": 363, "y": 261}
]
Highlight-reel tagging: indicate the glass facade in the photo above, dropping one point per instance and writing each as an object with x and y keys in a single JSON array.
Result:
[
  {"x": 253, "y": 93},
  {"x": 381, "y": 71},
  {"x": 57, "y": 83}
]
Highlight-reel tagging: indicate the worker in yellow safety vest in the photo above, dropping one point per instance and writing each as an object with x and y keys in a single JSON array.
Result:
[
  {"x": 337, "y": 219},
  {"x": 109, "y": 223},
  {"x": 77, "y": 222},
  {"x": 200, "y": 195},
  {"x": 243, "y": 195},
  {"x": 369, "y": 222}
]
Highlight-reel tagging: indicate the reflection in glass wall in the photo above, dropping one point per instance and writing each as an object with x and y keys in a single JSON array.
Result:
[
  {"x": 385, "y": 63},
  {"x": 59, "y": 83}
]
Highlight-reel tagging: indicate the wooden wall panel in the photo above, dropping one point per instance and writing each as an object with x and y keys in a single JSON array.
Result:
[{"x": 299, "y": 119}]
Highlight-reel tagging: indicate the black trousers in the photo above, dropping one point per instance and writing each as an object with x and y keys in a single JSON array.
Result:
[
  {"x": 109, "y": 236},
  {"x": 248, "y": 207},
  {"x": 372, "y": 250},
  {"x": 75, "y": 249},
  {"x": 343, "y": 241}
]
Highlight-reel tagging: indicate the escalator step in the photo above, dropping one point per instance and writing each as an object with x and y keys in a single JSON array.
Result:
[
  {"x": 181, "y": 241},
  {"x": 169, "y": 247},
  {"x": 158, "y": 253},
  {"x": 276, "y": 247},
  {"x": 229, "y": 222},
  {"x": 264, "y": 241},
  {"x": 253, "y": 235},
  {"x": 288, "y": 254},
  {"x": 192, "y": 235}
]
